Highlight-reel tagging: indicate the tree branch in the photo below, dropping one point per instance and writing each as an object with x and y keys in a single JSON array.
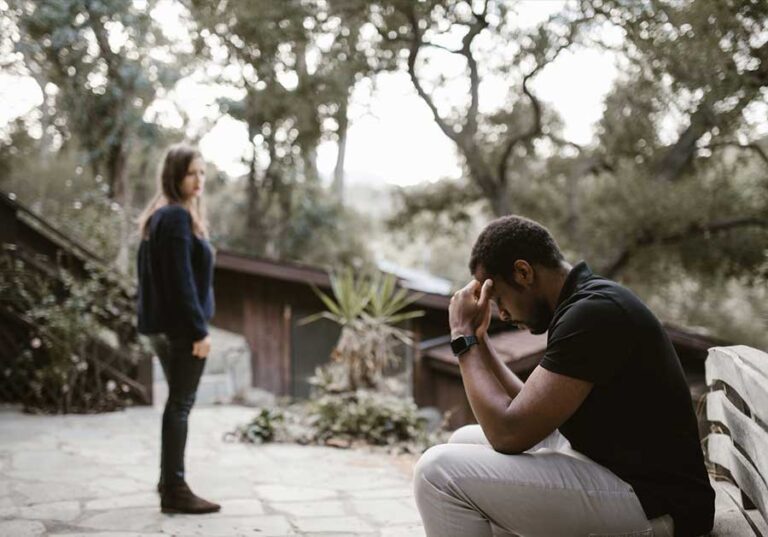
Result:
[
  {"x": 536, "y": 126},
  {"x": 563, "y": 142},
  {"x": 480, "y": 23},
  {"x": 648, "y": 238},
  {"x": 749, "y": 147},
  {"x": 415, "y": 46},
  {"x": 102, "y": 40},
  {"x": 440, "y": 47}
]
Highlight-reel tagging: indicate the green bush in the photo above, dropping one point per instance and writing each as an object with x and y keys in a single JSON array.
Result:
[
  {"x": 263, "y": 428},
  {"x": 369, "y": 309},
  {"x": 58, "y": 332},
  {"x": 372, "y": 417}
]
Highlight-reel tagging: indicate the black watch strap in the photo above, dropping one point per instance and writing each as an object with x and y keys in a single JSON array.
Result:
[{"x": 462, "y": 344}]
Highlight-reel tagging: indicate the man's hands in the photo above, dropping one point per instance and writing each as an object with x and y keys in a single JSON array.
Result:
[
  {"x": 202, "y": 348},
  {"x": 470, "y": 309}
]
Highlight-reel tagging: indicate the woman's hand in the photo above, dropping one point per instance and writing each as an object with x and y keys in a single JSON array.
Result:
[
  {"x": 469, "y": 312},
  {"x": 202, "y": 348}
]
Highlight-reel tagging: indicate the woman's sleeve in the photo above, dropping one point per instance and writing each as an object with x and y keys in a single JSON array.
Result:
[{"x": 181, "y": 279}]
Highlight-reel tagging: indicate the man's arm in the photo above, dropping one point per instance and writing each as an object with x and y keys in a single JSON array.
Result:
[
  {"x": 511, "y": 382},
  {"x": 544, "y": 403},
  {"x": 476, "y": 322},
  {"x": 512, "y": 424}
]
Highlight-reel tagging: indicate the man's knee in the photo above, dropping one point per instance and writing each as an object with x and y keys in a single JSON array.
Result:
[
  {"x": 432, "y": 471},
  {"x": 468, "y": 434}
]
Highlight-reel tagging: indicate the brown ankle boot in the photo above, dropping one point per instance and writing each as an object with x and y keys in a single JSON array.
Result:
[{"x": 180, "y": 499}]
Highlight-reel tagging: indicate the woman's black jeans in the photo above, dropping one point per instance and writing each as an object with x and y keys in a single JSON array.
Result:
[{"x": 182, "y": 372}]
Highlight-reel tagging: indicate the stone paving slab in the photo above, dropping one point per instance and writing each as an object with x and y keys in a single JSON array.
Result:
[{"x": 95, "y": 476}]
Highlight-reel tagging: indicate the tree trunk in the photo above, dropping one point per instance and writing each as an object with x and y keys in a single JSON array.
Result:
[
  {"x": 337, "y": 187},
  {"x": 573, "y": 228},
  {"x": 253, "y": 218},
  {"x": 309, "y": 160},
  {"x": 495, "y": 189},
  {"x": 122, "y": 194}
]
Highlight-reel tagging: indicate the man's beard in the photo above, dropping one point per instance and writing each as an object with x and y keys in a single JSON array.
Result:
[{"x": 540, "y": 317}]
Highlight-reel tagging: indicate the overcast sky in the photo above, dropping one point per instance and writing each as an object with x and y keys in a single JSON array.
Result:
[{"x": 392, "y": 137}]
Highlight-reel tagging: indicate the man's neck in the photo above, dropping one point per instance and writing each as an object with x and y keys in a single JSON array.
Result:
[{"x": 554, "y": 282}]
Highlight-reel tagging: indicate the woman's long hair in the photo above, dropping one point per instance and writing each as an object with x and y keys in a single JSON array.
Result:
[{"x": 173, "y": 171}]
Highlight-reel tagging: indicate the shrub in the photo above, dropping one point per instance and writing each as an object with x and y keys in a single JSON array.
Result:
[
  {"x": 262, "y": 428},
  {"x": 68, "y": 344},
  {"x": 369, "y": 310},
  {"x": 372, "y": 417}
]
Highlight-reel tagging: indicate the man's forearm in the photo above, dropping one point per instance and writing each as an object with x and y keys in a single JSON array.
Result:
[
  {"x": 487, "y": 396},
  {"x": 508, "y": 380}
]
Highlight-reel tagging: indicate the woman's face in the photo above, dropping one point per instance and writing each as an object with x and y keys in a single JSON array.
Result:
[{"x": 191, "y": 186}]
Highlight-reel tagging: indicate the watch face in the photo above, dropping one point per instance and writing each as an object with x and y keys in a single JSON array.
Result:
[{"x": 458, "y": 344}]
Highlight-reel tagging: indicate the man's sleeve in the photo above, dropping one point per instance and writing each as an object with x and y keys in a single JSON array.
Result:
[{"x": 591, "y": 341}]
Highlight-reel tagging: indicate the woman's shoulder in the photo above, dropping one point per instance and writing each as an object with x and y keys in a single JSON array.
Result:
[
  {"x": 173, "y": 209},
  {"x": 171, "y": 219},
  {"x": 173, "y": 212}
]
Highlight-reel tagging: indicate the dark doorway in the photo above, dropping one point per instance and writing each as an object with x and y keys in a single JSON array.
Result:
[{"x": 311, "y": 346}]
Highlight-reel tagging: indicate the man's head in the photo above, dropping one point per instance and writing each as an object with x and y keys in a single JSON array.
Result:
[{"x": 524, "y": 262}]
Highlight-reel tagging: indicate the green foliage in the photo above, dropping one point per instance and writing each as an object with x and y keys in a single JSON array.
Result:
[
  {"x": 16, "y": 149},
  {"x": 56, "y": 329},
  {"x": 101, "y": 61},
  {"x": 343, "y": 418},
  {"x": 373, "y": 417},
  {"x": 676, "y": 149},
  {"x": 445, "y": 207},
  {"x": 262, "y": 428},
  {"x": 368, "y": 309},
  {"x": 297, "y": 63},
  {"x": 320, "y": 231},
  {"x": 65, "y": 193}
]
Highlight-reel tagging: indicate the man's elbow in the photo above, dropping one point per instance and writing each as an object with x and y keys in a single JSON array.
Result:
[{"x": 508, "y": 444}]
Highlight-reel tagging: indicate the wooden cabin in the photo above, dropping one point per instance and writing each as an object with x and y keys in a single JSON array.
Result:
[{"x": 266, "y": 300}]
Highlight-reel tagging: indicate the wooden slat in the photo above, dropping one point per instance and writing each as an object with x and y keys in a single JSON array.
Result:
[
  {"x": 738, "y": 369},
  {"x": 722, "y": 451},
  {"x": 729, "y": 519},
  {"x": 755, "y": 358},
  {"x": 750, "y": 436},
  {"x": 758, "y": 521}
]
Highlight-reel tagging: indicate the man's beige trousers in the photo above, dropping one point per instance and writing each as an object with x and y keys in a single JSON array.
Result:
[{"x": 466, "y": 489}]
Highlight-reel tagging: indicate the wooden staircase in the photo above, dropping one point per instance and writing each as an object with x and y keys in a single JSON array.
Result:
[{"x": 29, "y": 241}]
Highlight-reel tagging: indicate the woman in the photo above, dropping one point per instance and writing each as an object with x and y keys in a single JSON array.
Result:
[{"x": 175, "y": 269}]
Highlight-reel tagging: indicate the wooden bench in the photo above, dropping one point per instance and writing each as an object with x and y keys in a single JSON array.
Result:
[{"x": 737, "y": 446}]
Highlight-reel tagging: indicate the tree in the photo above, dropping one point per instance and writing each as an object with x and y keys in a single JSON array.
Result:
[
  {"x": 480, "y": 37},
  {"x": 702, "y": 61},
  {"x": 368, "y": 309},
  {"x": 707, "y": 63},
  {"x": 711, "y": 59},
  {"x": 99, "y": 64},
  {"x": 298, "y": 61}
]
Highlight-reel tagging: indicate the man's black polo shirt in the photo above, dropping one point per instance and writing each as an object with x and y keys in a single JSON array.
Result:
[{"x": 638, "y": 420}]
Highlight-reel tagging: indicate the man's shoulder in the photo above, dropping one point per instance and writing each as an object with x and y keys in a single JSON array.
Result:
[
  {"x": 599, "y": 305},
  {"x": 604, "y": 304}
]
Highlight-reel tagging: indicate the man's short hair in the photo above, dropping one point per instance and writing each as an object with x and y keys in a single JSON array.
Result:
[{"x": 509, "y": 238}]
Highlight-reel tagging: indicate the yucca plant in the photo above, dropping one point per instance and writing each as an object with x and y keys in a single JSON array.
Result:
[{"x": 368, "y": 309}]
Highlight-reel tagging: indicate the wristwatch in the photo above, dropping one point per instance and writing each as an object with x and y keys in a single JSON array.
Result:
[{"x": 462, "y": 344}]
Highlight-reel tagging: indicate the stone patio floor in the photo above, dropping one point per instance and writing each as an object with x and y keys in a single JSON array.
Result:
[{"x": 95, "y": 475}]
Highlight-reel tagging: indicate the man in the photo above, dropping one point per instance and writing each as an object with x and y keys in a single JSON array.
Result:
[{"x": 600, "y": 440}]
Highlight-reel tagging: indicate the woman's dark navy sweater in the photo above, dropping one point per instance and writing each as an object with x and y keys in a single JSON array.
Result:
[{"x": 175, "y": 269}]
